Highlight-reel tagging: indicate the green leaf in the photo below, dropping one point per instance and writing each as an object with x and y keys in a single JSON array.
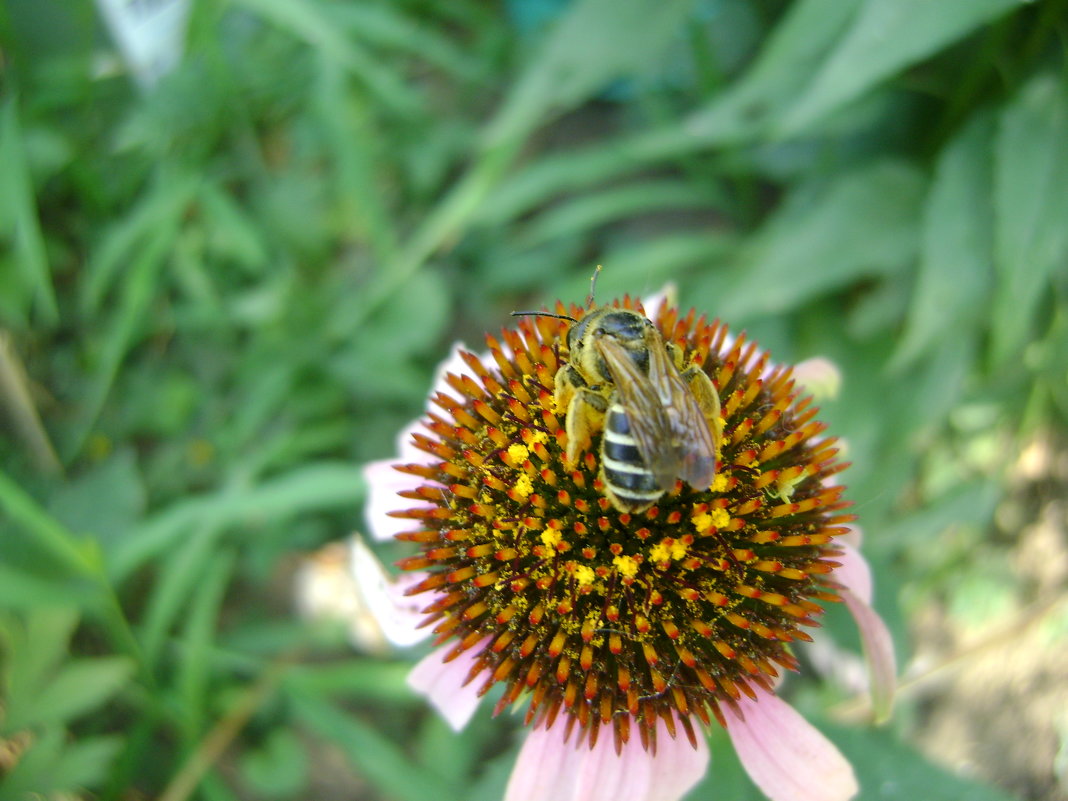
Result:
[
  {"x": 1031, "y": 206},
  {"x": 956, "y": 259},
  {"x": 885, "y": 37},
  {"x": 80, "y": 686},
  {"x": 197, "y": 637},
  {"x": 890, "y": 771},
  {"x": 177, "y": 583},
  {"x": 357, "y": 150},
  {"x": 161, "y": 207},
  {"x": 231, "y": 233},
  {"x": 78, "y": 503},
  {"x": 18, "y": 212},
  {"x": 315, "y": 486},
  {"x": 162, "y": 217},
  {"x": 592, "y": 44},
  {"x": 51, "y": 767},
  {"x": 827, "y": 235},
  {"x": 784, "y": 68},
  {"x": 356, "y": 680},
  {"x": 313, "y": 23},
  {"x": 51, "y": 536},
  {"x": 22, "y": 590},
  {"x": 380, "y": 760},
  {"x": 579, "y": 215},
  {"x": 278, "y": 768},
  {"x": 34, "y": 645}
]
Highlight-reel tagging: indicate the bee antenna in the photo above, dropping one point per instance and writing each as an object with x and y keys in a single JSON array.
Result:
[
  {"x": 593, "y": 287},
  {"x": 543, "y": 314}
]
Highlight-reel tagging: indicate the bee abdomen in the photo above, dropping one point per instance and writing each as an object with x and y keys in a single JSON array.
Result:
[{"x": 625, "y": 473}]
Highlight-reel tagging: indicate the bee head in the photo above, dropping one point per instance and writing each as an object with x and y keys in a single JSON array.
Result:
[{"x": 628, "y": 328}]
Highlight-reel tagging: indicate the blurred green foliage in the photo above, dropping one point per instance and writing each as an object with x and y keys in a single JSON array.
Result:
[{"x": 220, "y": 297}]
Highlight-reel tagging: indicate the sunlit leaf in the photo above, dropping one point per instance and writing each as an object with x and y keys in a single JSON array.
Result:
[
  {"x": 784, "y": 67},
  {"x": 885, "y": 37},
  {"x": 828, "y": 234},
  {"x": 593, "y": 43}
]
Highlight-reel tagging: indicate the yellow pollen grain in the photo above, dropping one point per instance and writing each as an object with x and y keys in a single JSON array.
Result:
[
  {"x": 626, "y": 565},
  {"x": 719, "y": 483},
  {"x": 678, "y": 550},
  {"x": 584, "y": 575},
  {"x": 660, "y": 552},
  {"x": 702, "y": 522},
  {"x": 518, "y": 453},
  {"x": 551, "y": 538},
  {"x": 523, "y": 486},
  {"x": 720, "y": 518},
  {"x": 539, "y": 436}
]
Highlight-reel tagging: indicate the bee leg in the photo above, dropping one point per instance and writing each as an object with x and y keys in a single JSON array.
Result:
[
  {"x": 707, "y": 398},
  {"x": 568, "y": 381},
  {"x": 585, "y": 415}
]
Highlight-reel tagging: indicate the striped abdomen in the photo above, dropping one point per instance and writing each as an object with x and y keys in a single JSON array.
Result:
[{"x": 628, "y": 481}]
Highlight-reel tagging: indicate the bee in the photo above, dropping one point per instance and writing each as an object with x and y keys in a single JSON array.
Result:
[{"x": 658, "y": 422}]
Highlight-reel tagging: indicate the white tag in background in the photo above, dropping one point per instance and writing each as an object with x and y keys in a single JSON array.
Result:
[{"x": 150, "y": 34}]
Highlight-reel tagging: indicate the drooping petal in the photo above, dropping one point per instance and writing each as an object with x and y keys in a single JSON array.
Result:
[
  {"x": 875, "y": 638},
  {"x": 854, "y": 573},
  {"x": 398, "y": 615},
  {"x": 549, "y": 769},
  {"x": 785, "y": 756},
  {"x": 443, "y": 684}
]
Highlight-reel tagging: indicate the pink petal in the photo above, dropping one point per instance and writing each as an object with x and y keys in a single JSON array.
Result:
[
  {"x": 443, "y": 684},
  {"x": 874, "y": 636},
  {"x": 854, "y": 572},
  {"x": 398, "y": 616},
  {"x": 785, "y": 756},
  {"x": 548, "y": 769},
  {"x": 384, "y": 482}
]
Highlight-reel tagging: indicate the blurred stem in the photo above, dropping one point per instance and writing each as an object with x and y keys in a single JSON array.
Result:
[
  {"x": 227, "y": 728},
  {"x": 15, "y": 394}
]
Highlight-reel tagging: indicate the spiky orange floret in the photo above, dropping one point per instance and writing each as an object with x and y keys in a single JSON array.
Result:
[{"x": 610, "y": 618}]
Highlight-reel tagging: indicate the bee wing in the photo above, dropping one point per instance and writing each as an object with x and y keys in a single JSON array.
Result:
[
  {"x": 667, "y": 422},
  {"x": 690, "y": 432}
]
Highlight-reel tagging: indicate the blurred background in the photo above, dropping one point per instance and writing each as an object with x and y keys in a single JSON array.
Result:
[{"x": 236, "y": 236}]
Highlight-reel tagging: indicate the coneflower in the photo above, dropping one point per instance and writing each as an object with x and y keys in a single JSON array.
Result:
[{"x": 623, "y": 636}]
